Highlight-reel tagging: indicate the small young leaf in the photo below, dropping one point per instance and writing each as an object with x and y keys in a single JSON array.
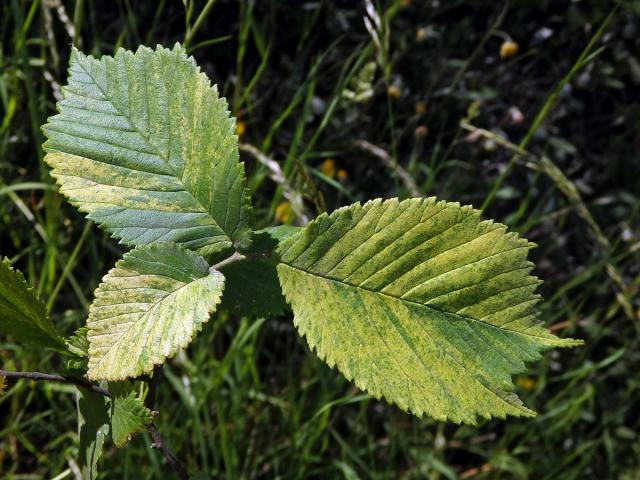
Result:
[
  {"x": 252, "y": 288},
  {"x": 144, "y": 145},
  {"x": 420, "y": 302},
  {"x": 147, "y": 308},
  {"x": 93, "y": 429},
  {"x": 78, "y": 342},
  {"x": 128, "y": 413},
  {"x": 22, "y": 314},
  {"x": 3, "y": 384},
  {"x": 78, "y": 345}
]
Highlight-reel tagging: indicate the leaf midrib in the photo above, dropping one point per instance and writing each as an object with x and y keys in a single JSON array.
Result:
[
  {"x": 151, "y": 306},
  {"x": 429, "y": 307},
  {"x": 411, "y": 346}
]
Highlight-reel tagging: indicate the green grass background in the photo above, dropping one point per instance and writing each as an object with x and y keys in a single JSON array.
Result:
[{"x": 248, "y": 399}]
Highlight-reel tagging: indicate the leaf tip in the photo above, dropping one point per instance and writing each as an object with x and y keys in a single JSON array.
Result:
[{"x": 569, "y": 342}]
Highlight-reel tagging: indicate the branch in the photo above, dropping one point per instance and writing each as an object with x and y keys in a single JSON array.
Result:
[
  {"x": 158, "y": 442},
  {"x": 173, "y": 462},
  {"x": 39, "y": 377},
  {"x": 236, "y": 257}
]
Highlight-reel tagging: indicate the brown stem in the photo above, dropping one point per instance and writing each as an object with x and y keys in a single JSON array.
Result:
[
  {"x": 173, "y": 462},
  {"x": 46, "y": 377},
  {"x": 158, "y": 442},
  {"x": 236, "y": 257}
]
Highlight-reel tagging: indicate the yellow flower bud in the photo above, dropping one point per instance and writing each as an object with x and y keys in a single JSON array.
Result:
[
  {"x": 342, "y": 175},
  {"x": 526, "y": 383},
  {"x": 421, "y": 34},
  {"x": 284, "y": 212},
  {"x": 241, "y": 127},
  {"x": 328, "y": 167},
  {"x": 508, "y": 49},
  {"x": 393, "y": 92}
]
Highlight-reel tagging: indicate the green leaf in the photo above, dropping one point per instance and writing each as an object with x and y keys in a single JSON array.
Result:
[
  {"x": 78, "y": 345},
  {"x": 144, "y": 145},
  {"x": 252, "y": 288},
  {"x": 280, "y": 232},
  {"x": 147, "y": 308},
  {"x": 93, "y": 429},
  {"x": 128, "y": 413},
  {"x": 420, "y": 302},
  {"x": 22, "y": 314},
  {"x": 78, "y": 342}
]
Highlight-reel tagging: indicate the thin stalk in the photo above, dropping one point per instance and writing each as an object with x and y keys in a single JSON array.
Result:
[
  {"x": 236, "y": 257},
  {"x": 68, "y": 266},
  {"x": 479, "y": 47},
  {"x": 548, "y": 104},
  {"x": 77, "y": 21},
  {"x": 46, "y": 377},
  {"x": 196, "y": 26}
]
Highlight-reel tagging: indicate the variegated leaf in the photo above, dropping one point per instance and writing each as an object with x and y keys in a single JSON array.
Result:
[
  {"x": 144, "y": 145},
  {"x": 420, "y": 302},
  {"x": 148, "y": 307}
]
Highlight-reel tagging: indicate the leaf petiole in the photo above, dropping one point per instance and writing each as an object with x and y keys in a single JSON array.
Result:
[{"x": 236, "y": 257}]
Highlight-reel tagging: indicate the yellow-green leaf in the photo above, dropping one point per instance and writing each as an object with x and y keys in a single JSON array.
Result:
[
  {"x": 148, "y": 307},
  {"x": 144, "y": 145},
  {"x": 420, "y": 302}
]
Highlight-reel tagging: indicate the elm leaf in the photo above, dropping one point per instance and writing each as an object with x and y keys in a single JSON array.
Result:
[
  {"x": 128, "y": 413},
  {"x": 421, "y": 302},
  {"x": 145, "y": 146},
  {"x": 147, "y": 308},
  {"x": 22, "y": 314}
]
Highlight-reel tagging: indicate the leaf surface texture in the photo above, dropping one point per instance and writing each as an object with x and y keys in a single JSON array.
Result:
[
  {"x": 144, "y": 145},
  {"x": 147, "y": 308},
  {"x": 22, "y": 314},
  {"x": 420, "y": 302},
  {"x": 128, "y": 413}
]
